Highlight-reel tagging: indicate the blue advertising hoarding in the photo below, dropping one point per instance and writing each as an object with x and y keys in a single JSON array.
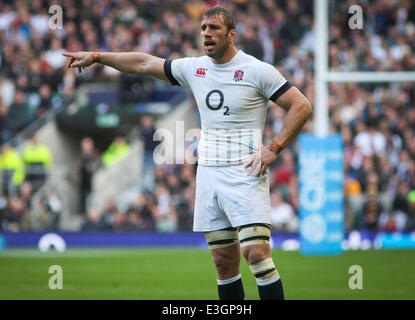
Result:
[
  {"x": 353, "y": 240},
  {"x": 321, "y": 197}
]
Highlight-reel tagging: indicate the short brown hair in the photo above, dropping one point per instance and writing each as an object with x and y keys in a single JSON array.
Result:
[{"x": 218, "y": 11}]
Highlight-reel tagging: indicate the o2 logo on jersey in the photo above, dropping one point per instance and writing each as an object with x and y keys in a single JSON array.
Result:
[{"x": 214, "y": 101}]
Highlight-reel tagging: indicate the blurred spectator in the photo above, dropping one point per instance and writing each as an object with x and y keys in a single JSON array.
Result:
[
  {"x": 283, "y": 216},
  {"x": 371, "y": 212},
  {"x": 147, "y": 132},
  {"x": 166, "y": 221},
  {"x": 6, "y": 130},
  {"x": 54, "y": 55},
  {"x": 410, "y": 222},
  {"x": 370, "y": 141},
  {"x": 143, "y": 207},
  {"x": 185, "y": 207},
  {"x": 26, "y": 193},
  {"x": 119, "y": 221},
  {"x": 354, "y": 199},
  {"x": 284, "y": 171},
  {"x": 45, "y": 102},
  {"x": 87, "y": 166},
  {"x": 400, "y": 203},
  {"x": 115, "y": 152},
  {"x": 15, "y": 215},
  {"x": 93, "y": 222},
  {"x": 367, "y": 168},
  {"x": 251, "y": 43},
  {"x": 51, "y": 208},
  {"x": 107, "y": 217},
  {"x": 19, "y": 113},
  {"x": 12, "y": 169},
  {"x": 134, "y": 222},
  {"x": 37, "y": 158}
]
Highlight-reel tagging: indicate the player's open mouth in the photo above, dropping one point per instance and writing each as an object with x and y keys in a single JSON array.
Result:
[{"x": 209, "y": 44}]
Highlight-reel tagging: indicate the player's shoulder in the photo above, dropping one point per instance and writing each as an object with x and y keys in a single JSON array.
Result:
[
  {"x": 255, "y": 64},
  {"x": 191, "y": 64},
  {"x": 193, "y": 60},
  {"x": 259, "y": 70}
]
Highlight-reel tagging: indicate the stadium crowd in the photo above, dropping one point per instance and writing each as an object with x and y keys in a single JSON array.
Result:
[{"x": 377, "y": 121}]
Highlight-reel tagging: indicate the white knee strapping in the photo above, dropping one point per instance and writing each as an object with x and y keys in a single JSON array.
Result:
[
  {"x": 254, "y": 234},
  {"x": 264, "y": 272},
  {"x": 221, "y": 238}
]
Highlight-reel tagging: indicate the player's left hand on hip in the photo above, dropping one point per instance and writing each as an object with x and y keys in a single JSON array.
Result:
[
  {"x": 259, "y": 162},
  {"x": 253, "y": 166}
]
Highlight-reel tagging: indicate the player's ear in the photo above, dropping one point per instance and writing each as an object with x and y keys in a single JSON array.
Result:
[{"x": 232, "y": 34}]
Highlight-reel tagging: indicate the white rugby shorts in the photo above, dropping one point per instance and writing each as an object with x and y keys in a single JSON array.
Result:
[{"x": 227, "y": 197}]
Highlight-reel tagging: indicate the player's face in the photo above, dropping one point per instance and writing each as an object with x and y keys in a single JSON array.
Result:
[{"x": 215, "y": 37}]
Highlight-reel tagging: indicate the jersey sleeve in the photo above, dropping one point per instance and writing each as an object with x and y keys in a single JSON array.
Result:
[
  {"x": 272, "y": 83},
  {"x": 177, "y": 70}
]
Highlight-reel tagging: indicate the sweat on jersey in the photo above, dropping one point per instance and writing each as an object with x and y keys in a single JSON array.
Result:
[{"x": 232, "y": 99}]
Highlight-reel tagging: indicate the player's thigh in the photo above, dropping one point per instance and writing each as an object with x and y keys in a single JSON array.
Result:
[
  {"x": 255, "y": 241},
  {"x": 245, "y": 199},
  {"x": 208, "y": 214}
]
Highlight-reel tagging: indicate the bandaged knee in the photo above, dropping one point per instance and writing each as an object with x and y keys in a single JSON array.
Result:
[
  {"x": 264, "y": 272},
  {"x": 221, "y": 238},
  {"x": 254, "y": 234}
]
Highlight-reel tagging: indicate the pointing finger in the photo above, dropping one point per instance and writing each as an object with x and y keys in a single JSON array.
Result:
[
  {"x": 69, "y": 63},
  {"x": 69, "y": 55},
  {"x": 75, "y": 65}
]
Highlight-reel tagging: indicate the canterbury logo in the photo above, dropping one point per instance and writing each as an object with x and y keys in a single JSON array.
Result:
[{"x": 201, "y": 72}]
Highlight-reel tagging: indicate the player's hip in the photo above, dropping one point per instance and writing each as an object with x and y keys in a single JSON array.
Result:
[
  {"x": 230, "y": 176},
  {"x": 226, "y": 196}
]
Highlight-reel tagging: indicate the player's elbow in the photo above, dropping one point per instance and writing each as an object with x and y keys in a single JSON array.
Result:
[
  {"x": 142, "y": 68},
  {"x": 142, "y": 64},
  {"x": 306, "y": 109}
]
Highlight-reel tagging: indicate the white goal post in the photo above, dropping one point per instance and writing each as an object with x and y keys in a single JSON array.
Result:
[{"x": 323, "y": 76}]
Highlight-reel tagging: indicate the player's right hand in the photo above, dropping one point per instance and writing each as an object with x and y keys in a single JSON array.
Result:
[{"x": 79, "y": 59}]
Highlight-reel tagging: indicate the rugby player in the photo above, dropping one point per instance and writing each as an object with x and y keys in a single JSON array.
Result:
[{"x": 232, "y": 90}]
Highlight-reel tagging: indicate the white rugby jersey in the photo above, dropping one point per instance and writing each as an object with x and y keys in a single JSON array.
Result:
[{"x": 232, "y": 99}]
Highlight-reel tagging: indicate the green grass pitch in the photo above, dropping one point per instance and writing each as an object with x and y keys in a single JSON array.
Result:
[{"x": 182, "y": 274}]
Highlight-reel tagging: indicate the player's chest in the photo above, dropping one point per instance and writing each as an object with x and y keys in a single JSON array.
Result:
[{"x": 232, "y": 89}]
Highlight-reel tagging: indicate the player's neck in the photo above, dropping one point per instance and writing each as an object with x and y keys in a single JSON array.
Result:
[{"x": 227, "y": 56}]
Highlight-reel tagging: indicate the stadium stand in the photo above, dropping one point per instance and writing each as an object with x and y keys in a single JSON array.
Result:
[{"x": 377, "y": 121}]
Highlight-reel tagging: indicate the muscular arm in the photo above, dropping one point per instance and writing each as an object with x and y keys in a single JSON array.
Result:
[
  {"x": 130, "y": 62},
  {"x": 298, "y": 110}
]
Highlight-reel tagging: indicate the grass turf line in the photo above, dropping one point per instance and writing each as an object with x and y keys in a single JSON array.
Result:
[{"x": 176, "y": 274}]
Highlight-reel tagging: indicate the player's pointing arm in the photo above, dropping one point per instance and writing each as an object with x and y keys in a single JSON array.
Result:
[{"x": 130, "y": 62}]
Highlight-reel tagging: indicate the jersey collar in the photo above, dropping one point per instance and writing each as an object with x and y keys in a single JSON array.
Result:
[{"x": 221, "y": 65}]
